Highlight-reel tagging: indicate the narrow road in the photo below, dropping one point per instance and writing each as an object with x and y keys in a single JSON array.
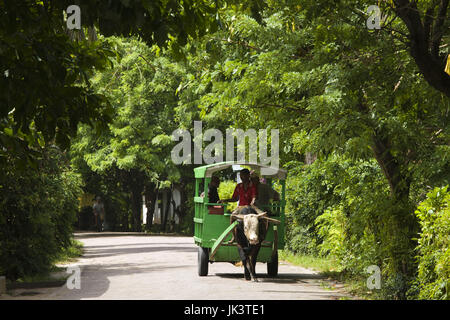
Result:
[{"x": 124, "y": 266}]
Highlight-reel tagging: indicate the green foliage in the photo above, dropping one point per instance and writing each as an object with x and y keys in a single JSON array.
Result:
[
  {"x": 333, "y": 89},
  {"x": 37, "y": 212},
  {"x": 44, "y": 84},
  {"x": 343, "y": 93},
  {"x": 141, "y": 87},
  {"x": 168, "y": 22},
  {"x": 136, "y": 150},
  {"x": 225, "y": 190},
  {"x": 433, "y": 280},
  {"x": 309, "y": 191},
  {"x": 70, "y": 253},
  {"x": 38, "y": 55},
  {"x": 342, "y": 211},
  {"x": 332, "y": 227}
]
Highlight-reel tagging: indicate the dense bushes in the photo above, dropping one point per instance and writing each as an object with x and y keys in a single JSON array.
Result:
[
  {"x": 309, "y": 191},
  {"x": 433, "y": 278},
  {"x": 342, "y": 208},
  {"x": 37, "y": 212}
]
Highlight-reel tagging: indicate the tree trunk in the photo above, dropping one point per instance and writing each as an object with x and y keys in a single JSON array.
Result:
[
  {"x": 310, "y": 158},
  {"x": 425, "y": 39},
  {"x": 125, "y": 219},
  {"x": 181, "y": 210},
  {"x": 136, "y": 206},
  {"x": 151, "y": 197},
  {"x": 401, "y": 226},
  {"x": 166, "y": 212},
  {"x": 135, "y": 183},
  {"x": 398, "y": 183}
]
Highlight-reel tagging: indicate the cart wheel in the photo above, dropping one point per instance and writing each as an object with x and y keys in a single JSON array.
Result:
[
  {"x": 272, "y": 266},
  {"x": 203, "y": 257}
]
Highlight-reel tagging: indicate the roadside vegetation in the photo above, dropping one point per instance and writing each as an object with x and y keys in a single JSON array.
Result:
[
  {"x": 363, "y": 119},
  {"x": 57, "y": 271}
]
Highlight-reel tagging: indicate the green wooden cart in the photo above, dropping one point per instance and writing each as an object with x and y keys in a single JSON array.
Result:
[{"x": 212, "y": 221}]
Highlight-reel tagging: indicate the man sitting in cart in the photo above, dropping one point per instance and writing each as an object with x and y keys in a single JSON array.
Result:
[
  {"x": 264, "y": 193},
  {"x": 213, "y": 194},
  {"x": 245, "y": 191}
]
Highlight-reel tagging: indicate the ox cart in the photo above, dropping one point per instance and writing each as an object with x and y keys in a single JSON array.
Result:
[{"x": 212, "y": 220}]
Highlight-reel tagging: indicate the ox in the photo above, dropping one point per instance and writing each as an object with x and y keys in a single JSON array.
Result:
[{"x": 249, "y": 234}]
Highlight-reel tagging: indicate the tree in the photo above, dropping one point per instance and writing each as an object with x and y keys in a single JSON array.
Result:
[
  {"x": 421, "y": 27},
  {"x": 428, "y": 24},
  {"x": 37, "y": 212},
  {"x": 141, "y": 88},
  {"x": 45, "y": 91},
  {"x": 332, "y": 87},
  {"x": 38, "y": 55}
]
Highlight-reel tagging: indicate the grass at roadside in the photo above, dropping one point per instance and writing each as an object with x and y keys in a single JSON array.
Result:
[
  {"x": 328, "y": 268},
  {"x": 309, "y": 262},
  {"x": 71, "y": 253},
  {"x": 57, "y": 271}
]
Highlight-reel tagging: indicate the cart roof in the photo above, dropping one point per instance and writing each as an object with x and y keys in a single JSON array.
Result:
[{"x": 265, "y": 171}]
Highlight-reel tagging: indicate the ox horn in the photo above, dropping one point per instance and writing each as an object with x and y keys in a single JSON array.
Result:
[
  {"x": 262, "y": 214},
  {"x": 237, "y": 216},
  {"x": 271, "y": 220}
]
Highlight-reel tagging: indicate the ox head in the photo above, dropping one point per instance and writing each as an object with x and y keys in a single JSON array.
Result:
[{"x": 251, "y": 223}]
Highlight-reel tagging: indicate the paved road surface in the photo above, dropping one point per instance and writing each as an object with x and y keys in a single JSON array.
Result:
[{"x": 126, "y": 266}]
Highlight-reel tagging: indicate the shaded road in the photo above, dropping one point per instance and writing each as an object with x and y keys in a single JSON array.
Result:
[{"x": 126, "y": 266}]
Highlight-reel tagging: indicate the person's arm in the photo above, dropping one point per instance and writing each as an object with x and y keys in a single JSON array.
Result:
[
  {"x": 234, "y": 198},
  {"x": 253, "y": 195},
  {"x": 228, "y": 200}
]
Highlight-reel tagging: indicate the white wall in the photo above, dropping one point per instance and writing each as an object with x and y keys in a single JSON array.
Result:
[{"x": 162, "y": 206}]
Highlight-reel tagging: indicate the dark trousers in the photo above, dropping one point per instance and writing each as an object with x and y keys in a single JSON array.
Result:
[{"x": 98, "y": 223}]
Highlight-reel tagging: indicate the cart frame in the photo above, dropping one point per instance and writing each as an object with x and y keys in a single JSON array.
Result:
[{"x": 213, "y": 231}]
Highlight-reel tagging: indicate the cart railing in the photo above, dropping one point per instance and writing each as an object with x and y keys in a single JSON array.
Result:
[{"x": 275, "y": 209}]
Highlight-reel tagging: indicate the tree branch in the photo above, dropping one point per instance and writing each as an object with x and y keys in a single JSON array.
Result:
[
  {"x": 428, "y": 62},
  {"x": 242, "y": 43},
  {"x": 437, "y": 28}
]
